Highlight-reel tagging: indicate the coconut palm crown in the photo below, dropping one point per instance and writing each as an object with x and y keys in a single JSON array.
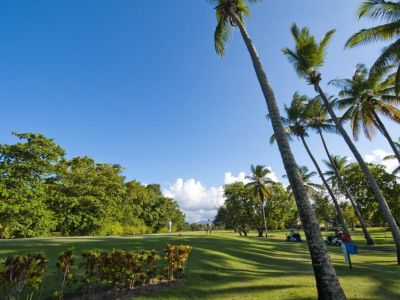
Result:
[
  {"x": 224, "y": 12},
  {"x": 389, "y": 12},
  {"x": 308, "y": 54},
  {"x": 364, "y": 98}
]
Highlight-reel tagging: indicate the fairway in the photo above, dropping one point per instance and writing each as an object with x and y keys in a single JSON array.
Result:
[{"x": 226, "y": 266}]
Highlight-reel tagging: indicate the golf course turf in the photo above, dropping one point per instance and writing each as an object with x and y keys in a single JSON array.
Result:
[{"x": 226, "y": 266}]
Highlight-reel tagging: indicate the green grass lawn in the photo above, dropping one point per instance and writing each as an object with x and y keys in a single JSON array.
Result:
[{"x": 226, "y": 266}]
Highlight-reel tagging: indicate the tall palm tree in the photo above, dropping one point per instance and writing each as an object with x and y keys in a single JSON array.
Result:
[
  {"x": 365, "y": 98},
  {"x": 306, "y": 58},
  {"x": 296, "y": 126},
  {"x": 230, "y": 14},
  {"x": 335, "y": 167},
  {"x": 316, "y": 117},
  {"x": 388, "y": 11},
  {"x": 392, "y": 156},
  {"x": 261, "y": 186}
]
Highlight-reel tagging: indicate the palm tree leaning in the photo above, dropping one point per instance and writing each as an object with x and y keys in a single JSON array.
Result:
[
  {"x": 365, "y": 98},
  {"x": 230, "y": 14},
  {"x": 296, "y": 126},
  {"x": 306, "y": 58},
  {"x": 316, "y": 117},
  {"x": 260, "y": 184},
  {"x": 388, "y": 11},
  {"x": 335, "y": 167}
]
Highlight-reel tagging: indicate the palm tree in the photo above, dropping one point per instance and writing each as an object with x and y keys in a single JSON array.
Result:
[
  {"x": 296, "y": 126},
  {"x": 230, "y": 14},
  {"x": 316, "y": 117},
  {"x": 388, "y": 11},
  {"x": 306, "y": 58},
  {"x": 392, "y": 156},
  {"x": 365, "y": 98},
  {"x": 260, "y": 184},
  {"x": 306, "y": 175},
  {"x": 336, "y": 166}
]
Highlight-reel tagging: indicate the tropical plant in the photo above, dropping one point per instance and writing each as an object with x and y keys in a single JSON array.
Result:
[
  {"x": 64, "y": 263},
  {"x": 176, "y": 257},
  {"x": 21, "y": 275},
  {"x": 316, "y": 117},
  {"x": 306, "y": 58},
  {"x": 260, "y": 184},
  {"x": 364, "y": 99},
  {"x": 230, "y": 14},
  {"x": 306, "y": 175},
  {"x": 388, "y": 11},
  {"x": 296, "y": 125}
]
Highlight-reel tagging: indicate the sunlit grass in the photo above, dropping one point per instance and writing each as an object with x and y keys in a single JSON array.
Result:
[{"x": 225, "y": 266}]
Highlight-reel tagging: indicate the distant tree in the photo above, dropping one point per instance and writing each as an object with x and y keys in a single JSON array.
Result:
[
  {"x": 260, "y": 183},
  {"x": 366, "y": 200},
  {"x": 241, "y": 211},
  {"x": 86, "y": 197}
]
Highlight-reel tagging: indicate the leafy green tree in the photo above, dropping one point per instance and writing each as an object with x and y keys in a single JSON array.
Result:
[
  {"x": 324, "y": 209},
  {"x": 359, "y": 187},
  {"x": 241, "y": 213},
  {"x": 86, "y": 197},
  {"x": 365, "y": 98},
  {"x": 260, "y": 184},
  {"x": 281, "y": 208},
  {"x": 349, "y": 214},
  {"x": 388, "y": 11},
  {"x": 306, "y": 58},
  {"x": 25, "y": 167}
]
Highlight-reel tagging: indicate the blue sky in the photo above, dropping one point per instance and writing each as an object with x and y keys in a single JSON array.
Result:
[{"x": 138, "y": 82}]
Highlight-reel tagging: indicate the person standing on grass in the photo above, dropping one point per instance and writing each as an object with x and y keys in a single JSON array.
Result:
[
  {"x": 208, "y": 226},
  {"x": 169, "y": 226}
]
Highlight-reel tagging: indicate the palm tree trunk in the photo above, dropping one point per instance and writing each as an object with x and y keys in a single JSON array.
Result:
[
  {"x": 321, "y": 175},
  {"x": 371, "y": 179},
  {"x": 263, "y": 215},
  {"x": 328, "y": 285},
  {"x": 367, "y": 236},
  {"x": 387, "y": 135}
]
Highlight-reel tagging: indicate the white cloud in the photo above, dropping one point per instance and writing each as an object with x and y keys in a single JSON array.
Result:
[
  {"x": 377, "y": 157},
  {"x": 198, "y": 202}
]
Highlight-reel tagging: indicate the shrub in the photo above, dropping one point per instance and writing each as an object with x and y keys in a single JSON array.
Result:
[
  {"x": 64, "y": 262},
  {"x": 21, "y": 274},
  {"x": 176, "y": 257}
]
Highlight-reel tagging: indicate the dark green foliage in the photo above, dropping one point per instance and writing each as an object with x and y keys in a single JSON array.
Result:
[
  {"x": 24, "y": 168},
  {"x": 241, "y": 211},
  {"x": 42, "y": 192},
  {"x": 21, "y": 275},
  {"x": 355, "y": 180}
]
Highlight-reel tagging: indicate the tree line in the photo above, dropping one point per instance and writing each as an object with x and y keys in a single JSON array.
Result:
[
  {"x": 42, "y": 193},
  {"x": 367, "y": 95}
]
